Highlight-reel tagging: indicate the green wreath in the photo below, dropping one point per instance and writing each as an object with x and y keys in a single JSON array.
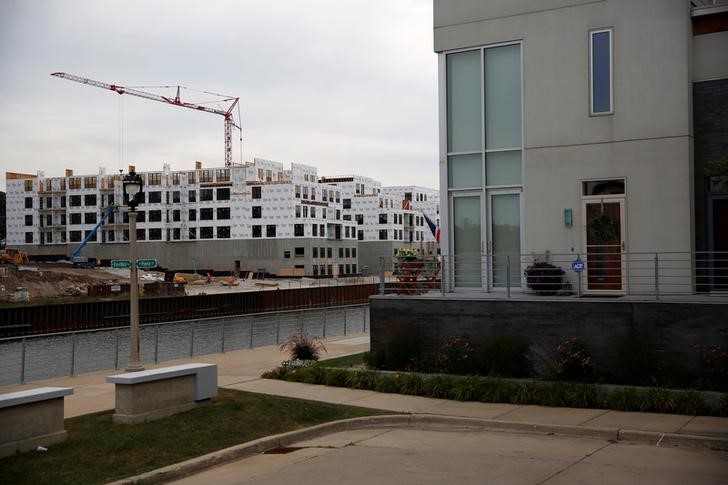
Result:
[{"x": 602, "y": 228}]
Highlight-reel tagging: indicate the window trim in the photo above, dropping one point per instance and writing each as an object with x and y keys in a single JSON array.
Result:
[{"x": 611, "y": 71}]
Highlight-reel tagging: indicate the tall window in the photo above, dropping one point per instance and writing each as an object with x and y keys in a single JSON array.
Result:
[
  {"x": 484, "y": 134},
  {"x": 600, "y": 69}
]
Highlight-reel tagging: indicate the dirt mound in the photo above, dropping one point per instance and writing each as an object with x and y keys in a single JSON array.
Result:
[{"x": 43, "y": 281}]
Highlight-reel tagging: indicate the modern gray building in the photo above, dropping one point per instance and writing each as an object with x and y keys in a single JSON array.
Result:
[{"x": 580, "y": 129}]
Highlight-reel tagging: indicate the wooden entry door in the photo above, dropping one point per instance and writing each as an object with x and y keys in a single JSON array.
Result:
[{"x": 605, "y": 245}]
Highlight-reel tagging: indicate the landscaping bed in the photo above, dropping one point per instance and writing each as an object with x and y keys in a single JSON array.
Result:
[
  {"x": 513, "y": 391},
  {"x": 98, "y": 450}
]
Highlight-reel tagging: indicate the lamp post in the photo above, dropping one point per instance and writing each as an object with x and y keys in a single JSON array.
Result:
[{"x": 132, "y": 185}]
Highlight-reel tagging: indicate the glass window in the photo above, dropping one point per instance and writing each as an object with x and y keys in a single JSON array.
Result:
[
  {"x": 382, "y": 234},
  {"x": 223, "y": 232},
  {"x": 155, "y": 216},
  {"x": 223, "y": 212},
  {"x": 270, "y": 230},
  {"x": 89, "y": 200},
  {"x": 75, "y": 218},
  {"x": 257, "y": 211},
  {"x": 223, "y": 194},
  {"x": 257, "y": 192},
  {"x": 466, "y": 235},
  {"x": 206, "y": 214},
  {"x": 601, "y": 71},
  {"x": 74, "y": 200},
  {"x": 175, "y": 196},
  {"x": 603, "y": 187},
  {"x": 503, "y": 97},
  {"x": 506, "y": 233},
  {"x": 192, "y": 196},
  {"x": 503, "y": 168},
  {"x": 192, "y": 215},
  {"x": 464, "y": 171},
  {"x": 206, "y": 232},
  {"x": 463, "y": 101},
  {"x": 298, "y": 230},
  {"x": 155, "y": 234},
  {"x": 257, "y": 231},
  {"x": 205, "y": 194},
  {"x": 299, "y": 252},
  {"x": 29, "y": 220},
  {"x": 154, "y": 197}
]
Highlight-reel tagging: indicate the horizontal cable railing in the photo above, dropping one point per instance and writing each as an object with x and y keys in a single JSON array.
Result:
[{"x": 604, "y": 270}]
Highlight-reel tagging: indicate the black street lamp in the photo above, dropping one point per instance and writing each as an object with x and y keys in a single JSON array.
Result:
[{"x": 133, "y": 194}]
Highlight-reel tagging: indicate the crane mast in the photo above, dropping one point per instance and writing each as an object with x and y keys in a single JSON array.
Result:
[{"x": 176, "y": 101}]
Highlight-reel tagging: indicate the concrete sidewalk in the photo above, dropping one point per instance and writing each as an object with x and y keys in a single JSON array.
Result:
[{"x": 242, "y": 369}]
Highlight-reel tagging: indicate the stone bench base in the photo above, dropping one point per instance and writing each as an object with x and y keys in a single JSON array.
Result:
[
  {"x": 158, "y": 393},
  {"x": 29, "y": 419}
]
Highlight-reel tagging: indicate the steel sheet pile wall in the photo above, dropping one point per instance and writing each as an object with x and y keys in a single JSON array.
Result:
[{"x": 30, "y": 319}]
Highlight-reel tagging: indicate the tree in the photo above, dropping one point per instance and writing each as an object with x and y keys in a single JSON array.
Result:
[{"x": 718, "y": 169}]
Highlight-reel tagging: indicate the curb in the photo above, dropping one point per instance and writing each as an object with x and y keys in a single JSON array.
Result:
[{"x": 194, "y": 465}]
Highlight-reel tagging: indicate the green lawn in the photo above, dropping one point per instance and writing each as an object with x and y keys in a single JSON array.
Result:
[
  {"x": 345, "y": 361},
  {"x": 98, "y": 450}
]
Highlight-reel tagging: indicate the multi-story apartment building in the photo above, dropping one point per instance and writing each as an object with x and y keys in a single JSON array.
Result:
[
  {"x": 583, "y": 127},
  {"x": 387, "y": 218},
  {"x": 258, "y": 216}
]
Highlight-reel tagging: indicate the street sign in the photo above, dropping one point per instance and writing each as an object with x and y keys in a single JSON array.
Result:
[
  {"x": 577, "y": 265},
  {"x": 121, "y": 263},
  {"x": 146, "y": 263}
]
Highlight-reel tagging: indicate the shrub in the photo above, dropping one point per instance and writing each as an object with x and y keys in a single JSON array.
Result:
[
  {"x": 467, "y": 389},
  {"x": 303, "y": 347},
  {"x": 438, "y": 387},
  {"x": 400, "y": 350},
  {"x": 496, "y": 390},
  {"x": 714, "y": 366},
  {"x": 573, "y": 362},
  {"x": 277, "y": 373},
  {"x": 625, "y": 399},
  {"x": 385, "y": 383},
  {"x": 525, "y": 393},
  {"x": 634, "y": 361},
  {"x": 657, "y": 400},
  {"x": 582, "y": 396},
  {"x": 689, "y": 402},
  {"x": 544, "y": 278},
  {"x": 336, "y": 378},
  {"x": 457, "y": 356},
  {"x": 361, "y": 379},
  {"x": 411, "y": 384},
  {"x": 504, "y": 356}
]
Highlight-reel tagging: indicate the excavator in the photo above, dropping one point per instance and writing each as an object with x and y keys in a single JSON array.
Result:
[{"x": 83, "y": 262}]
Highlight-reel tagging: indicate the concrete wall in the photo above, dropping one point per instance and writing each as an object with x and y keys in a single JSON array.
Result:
[
  {"x": 671, "y": 329},
  {"x": 34, "y": 358},
  {"x": 219, "y": 255}
]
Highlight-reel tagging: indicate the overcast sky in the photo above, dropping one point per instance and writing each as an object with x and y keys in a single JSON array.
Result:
[{"x": 349, "y": 86}]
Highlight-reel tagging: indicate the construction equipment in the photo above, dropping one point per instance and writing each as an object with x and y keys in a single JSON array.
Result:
[
  {"x": 13, "y": 256},
  {"x": 176, "y": 101},
  {"x": 82, "y": 262}
]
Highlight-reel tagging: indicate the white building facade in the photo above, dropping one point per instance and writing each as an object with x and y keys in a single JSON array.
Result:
[{"x": 259, "y": 216}]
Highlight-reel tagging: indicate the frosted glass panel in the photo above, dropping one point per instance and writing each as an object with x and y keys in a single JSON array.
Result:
[
  {"x": 463, "y": 102},
  {"x": 506, "y": 229},
  {"x": 503, "y": 168},
  {"x": 464, "y": 171},
  {"x": 503, "y": 97},
  {"x": 466, "y": 234}
]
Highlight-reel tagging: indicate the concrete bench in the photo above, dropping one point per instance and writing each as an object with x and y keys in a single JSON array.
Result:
[
  {"x": 158, "y": 393},
  {"x": 31, "y": 418}
]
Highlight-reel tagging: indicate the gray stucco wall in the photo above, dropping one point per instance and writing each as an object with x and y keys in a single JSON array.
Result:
[
  {"x": 671, "y": 329},
  {"x": 647, "y": 140}
]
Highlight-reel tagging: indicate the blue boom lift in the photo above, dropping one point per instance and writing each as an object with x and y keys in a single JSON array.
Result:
[{"x": 83, "y": 262}]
